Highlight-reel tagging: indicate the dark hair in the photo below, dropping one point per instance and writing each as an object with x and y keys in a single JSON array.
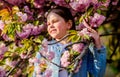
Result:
[{"x": 65, "y": 13}]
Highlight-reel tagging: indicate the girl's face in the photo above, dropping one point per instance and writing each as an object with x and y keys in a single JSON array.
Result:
[{"x": 57, "y": 26}]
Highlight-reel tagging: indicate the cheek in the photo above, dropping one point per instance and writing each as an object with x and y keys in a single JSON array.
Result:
[
  {"x": 57, "y": 26},
  {"x": 62, "y": 27},
  {"x": 48, "y": 30}
]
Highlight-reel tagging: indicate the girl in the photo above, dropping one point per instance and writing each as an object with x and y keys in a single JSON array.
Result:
[{"x": 59, "y": 21}]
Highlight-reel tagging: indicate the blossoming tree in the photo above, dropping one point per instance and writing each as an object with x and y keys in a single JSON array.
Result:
[{"x": 23, "y": 28}]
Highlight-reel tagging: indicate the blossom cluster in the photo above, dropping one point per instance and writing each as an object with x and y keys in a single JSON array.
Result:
[{"x": 77, "y": 48}]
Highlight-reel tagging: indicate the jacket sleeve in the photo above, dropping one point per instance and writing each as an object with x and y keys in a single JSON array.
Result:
[{"x": 97, "y": 62}]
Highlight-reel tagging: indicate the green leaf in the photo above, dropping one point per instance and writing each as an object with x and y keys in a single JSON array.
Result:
[
  {"x": 89, "y": 12},
  {"x": 67, "y": 1},
  {"x": 99, "y": 11},
  {"x": 19, "y": 27},
  {"x": 75, "y": 38},
  {"x": 27, "y": 43},
  {"x": 102, "y": 0},
  {"x": 81, "y": 18},
  {"x": 87, "y": 37},
  {"x": 38, "y": 39},
  {"x": 15, "y": 17}
]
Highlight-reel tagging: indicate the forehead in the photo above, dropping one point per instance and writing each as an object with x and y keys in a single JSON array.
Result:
[{"x": 52, "y": 15}]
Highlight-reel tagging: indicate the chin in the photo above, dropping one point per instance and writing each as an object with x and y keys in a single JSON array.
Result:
[
  {"x": 56, "y": 37},
  {"x": 53, "y": 36}
]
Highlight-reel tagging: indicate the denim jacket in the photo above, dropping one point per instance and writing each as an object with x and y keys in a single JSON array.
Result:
[{"x": 95, "y": 64}]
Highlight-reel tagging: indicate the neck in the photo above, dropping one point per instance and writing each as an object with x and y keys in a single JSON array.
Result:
[{"x": 63, "y": 41}]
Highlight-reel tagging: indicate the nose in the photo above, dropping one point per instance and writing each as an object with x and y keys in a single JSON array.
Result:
[{"x": 51, "y": 25}]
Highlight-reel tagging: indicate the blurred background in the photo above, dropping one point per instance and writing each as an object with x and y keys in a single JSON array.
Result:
[{"x": 109, "y": 31}]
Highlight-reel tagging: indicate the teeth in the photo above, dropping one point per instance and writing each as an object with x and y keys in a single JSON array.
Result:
[{"x": 53, "y": 30}]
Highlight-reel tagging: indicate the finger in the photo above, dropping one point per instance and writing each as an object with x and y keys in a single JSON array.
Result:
[{"x": 86, "y": 24}]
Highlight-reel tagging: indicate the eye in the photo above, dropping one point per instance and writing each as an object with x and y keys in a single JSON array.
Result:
[
  {"x": 55, "y": 20},
  {"x": 48, "y": 23}
]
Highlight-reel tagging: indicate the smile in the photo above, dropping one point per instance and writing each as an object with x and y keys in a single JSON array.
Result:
[{"x": 53, "y": 31}]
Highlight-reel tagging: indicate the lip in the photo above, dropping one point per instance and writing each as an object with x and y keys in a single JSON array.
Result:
[{"x": 52, "y": 30}]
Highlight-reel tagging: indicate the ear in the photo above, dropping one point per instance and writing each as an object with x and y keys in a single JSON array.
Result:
[{"x": 69, "y": 24}]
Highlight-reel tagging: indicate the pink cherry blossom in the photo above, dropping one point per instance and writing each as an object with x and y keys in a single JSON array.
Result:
[
  {"x": 38, "y": 75},
  {"x": 80, "y": 26},
  {"x": 80, "y": 5},
  {"x": 34, "y": 60},
  {"x": 115, "y": 2},
  {"x": 2, "y": 72},
  {"x": 45, "y": 43},
  {"x": 64, "y": 59},
  {"x": 94, "y": 1},
  {"x": 5, "y": 37},
  {"x": 48, "y": 73},
  {"x": 43, "y": 51},
  {"x": 42, "y": 61},
  {"x": 38, "y": 3},
  {"x": 11, "y": 63},
  {"x": 15, "y": 2},
  {"x": 65, "y": 63},
  {"x": 60, "y": 3},
  {"x": 23, "y": 16},
  {"x": 3, "y": 49},
  {"x": 26, "y": 31},
  {"x": 23, "y": 55},
  {"x": 78, "y": 47},
  {"x": 29, "y": 13},
  {"x": 50, "y": 55},
  {"x": 38, "y": 70},
  {"x": 96, "y": 4},
  {"x": 66, "y": 54},
  {"x": 37, "y": 29},
  {"x": 27, "y": 10},
  {"x": 83, "y": 32},
  {"x": 24, "y": 34},
  {"x": 106, "y": 3},
  {"x": 97, "y": 20},
  {"x": 1, "y": 25}
]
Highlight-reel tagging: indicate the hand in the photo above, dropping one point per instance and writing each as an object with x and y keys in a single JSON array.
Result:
[{"x": 94, "y": 34}]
